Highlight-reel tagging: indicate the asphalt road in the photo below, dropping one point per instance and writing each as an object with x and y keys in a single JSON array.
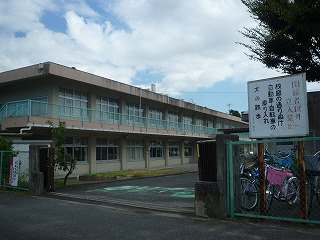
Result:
[
  {"x": 25, "y": 217},
  {"x": 170, "y": 191}
]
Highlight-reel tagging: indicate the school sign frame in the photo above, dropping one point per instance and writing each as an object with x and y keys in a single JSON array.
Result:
[{"x": 278, "y": 107}]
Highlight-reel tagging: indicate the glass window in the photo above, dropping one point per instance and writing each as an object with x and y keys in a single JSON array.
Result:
[
  {"x": 108, "y": 109},
  {"x": 174, "y": 149},
  {"x": 173, "y": 121},
  {"x": 134, "y": 114},
  {"x": 210, "y": 124},
  {"x": 107, "y": 149},
  {"x": 156, "y": 149},
  {"x": 155, "y": 117},
  {"x": 134, "y": 150},
  {"x": 188, "y": 149},
  {"x": 72, "y": 102},
  {"x": 77, "y": 147}
]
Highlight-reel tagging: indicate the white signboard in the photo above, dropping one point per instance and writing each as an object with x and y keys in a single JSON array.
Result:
[
  {"x": 278, "y": 107},
  {"x": 14, "y": 171}
]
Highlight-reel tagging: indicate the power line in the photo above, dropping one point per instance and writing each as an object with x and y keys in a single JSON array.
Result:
[{"x": 198, "y": 92}]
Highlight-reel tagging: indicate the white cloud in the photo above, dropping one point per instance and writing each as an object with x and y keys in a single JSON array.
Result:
[{"x": 191, "y": 43}]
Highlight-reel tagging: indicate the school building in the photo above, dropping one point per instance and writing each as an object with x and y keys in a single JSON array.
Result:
[{"x": 110, "y": 125}]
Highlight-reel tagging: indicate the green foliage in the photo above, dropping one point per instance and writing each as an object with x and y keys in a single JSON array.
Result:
[
  {"x": 234, "y": 113},
  {"x": 63, "y": 160},
  {"x": 6, "y": 145},
  {"x": 287, "y": 37}
]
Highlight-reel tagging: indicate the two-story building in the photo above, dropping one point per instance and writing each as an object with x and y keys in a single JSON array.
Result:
[{"x": 111, "y": 125}]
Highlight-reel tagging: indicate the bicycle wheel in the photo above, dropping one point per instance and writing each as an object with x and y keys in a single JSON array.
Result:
[
  {"x": 317, "y": 188},
  {"x": 293, "y": 190},
  {"x": 249, "y": 194},
  {"x": 269, "y": 195}
]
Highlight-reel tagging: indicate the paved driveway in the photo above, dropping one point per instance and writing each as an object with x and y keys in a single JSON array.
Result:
[{"x": 170, "y": 191}]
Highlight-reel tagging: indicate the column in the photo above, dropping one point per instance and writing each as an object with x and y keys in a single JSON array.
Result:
[
  {"x": 182, "y": 151},
  {"x": 195, "y": 153},
  {"x": 123, "y": 153},
  {"x": 194, "y": 128},
  {"x": 166, "y": 152},
  {"x": 92, "y": 154},
  {"x": 181, "y": 127},
  {"x": 146, "y": 123},
  {"x": 92, "y": 106},
  {"x": 123, "y": 112},
  {"x": 166, "y": 119},
  {"x": 146, "y": 154}
]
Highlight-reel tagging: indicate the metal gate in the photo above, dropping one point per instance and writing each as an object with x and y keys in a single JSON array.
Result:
[
  {"x": 283, "y": 184},
  {"x": 20, "y": 171}
]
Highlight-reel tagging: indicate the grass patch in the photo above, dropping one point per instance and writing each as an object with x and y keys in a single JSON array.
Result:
[{"x": 137, "y": 173}]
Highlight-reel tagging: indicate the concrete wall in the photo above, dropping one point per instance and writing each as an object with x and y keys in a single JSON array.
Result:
[
  {"x": 174, "y": 161},
  {"x": 157, "y": 163},
  {"x": 108, "y": 166},
  {"x": 26, "y": 90},
  {"x": 136, "y": 164}
]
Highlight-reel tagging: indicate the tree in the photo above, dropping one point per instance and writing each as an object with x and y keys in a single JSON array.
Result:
[
  {"x": 234, "y": 113},
  {"x": 63, "y": 160},
  {"x": 287, "y": 36},
  {"x": 6, "y": 145}
]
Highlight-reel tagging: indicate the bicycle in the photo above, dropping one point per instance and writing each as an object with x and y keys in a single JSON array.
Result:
[
  {"x": 281, "y": 185},
  {"x": 249, "y": 183},
  {"x": 313, "y": 181}
]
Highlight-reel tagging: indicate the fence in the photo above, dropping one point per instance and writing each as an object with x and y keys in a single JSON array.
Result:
[
  {"x": 282, "y": 184},
  {"x": 21, "y": 158},
  {"x": 32, "y": 108}
]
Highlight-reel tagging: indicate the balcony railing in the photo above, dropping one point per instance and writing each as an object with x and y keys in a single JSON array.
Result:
[{"x": 32, "y": 108}]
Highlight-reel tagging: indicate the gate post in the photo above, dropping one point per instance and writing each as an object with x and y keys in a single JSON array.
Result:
[
  {"x": 211, "y": 198},
  {"x": 36, "y": 178}
]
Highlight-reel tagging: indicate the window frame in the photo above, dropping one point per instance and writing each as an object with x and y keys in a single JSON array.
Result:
[
  {"x": 83, "y": 146},
  {"x": 105, "y": 145},
  {"x": 156, "y": 148}
]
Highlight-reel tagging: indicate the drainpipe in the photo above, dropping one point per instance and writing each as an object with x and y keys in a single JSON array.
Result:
[{"x": 24, "y": 129}]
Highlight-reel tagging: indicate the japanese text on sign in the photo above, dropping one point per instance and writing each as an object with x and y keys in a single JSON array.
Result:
[{"x": 278, "y": 107}]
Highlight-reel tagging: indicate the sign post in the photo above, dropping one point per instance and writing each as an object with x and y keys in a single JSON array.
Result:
[
  {"x": 14, "y": 171},
  {"x": 278, "y": 108}
]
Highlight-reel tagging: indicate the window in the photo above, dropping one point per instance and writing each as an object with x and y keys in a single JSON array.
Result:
[
  {"x": 199, "y": 122},
  {"x": 188, "y": 152},
  {"x": 134, "y": 114},
  {"x": 156, "y": 149},
  {"x": 134, "y": 150},
  {"x": 39, "y": 106},
  {"x": 74, "y": 103},
  {"x": 219, "y": 125},
  {"x": 155, "y": 117},
  {"x": 108, "y": 109},
  {"x": 187, "y": 123},
  {"x": 107, "y": 149},
  {"x": 210, "y": 124},
  {"x": 77, "y": 147},
  {"x": 173, "y": 120},
  {"x": 174, "y": 149}
]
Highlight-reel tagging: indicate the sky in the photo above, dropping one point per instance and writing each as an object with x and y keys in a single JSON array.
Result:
[{"x": 187, "y": 48}]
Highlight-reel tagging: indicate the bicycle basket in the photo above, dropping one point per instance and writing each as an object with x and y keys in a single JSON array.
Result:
[
  {"x": 312, "y": 165},
  {"x": 276, "y": 177}
]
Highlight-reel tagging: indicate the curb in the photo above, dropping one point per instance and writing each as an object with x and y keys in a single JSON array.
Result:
[
  {"x": 119, "y": 180},
  {"x": 132, "y": 204}
]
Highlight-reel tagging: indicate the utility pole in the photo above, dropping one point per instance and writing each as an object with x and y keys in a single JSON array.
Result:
[{"x": 229, "y": 105}]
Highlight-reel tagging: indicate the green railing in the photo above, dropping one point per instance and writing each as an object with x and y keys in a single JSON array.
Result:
[
  {"x": 32, "y": 108},
  {"x": 292, "y": 183}
]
